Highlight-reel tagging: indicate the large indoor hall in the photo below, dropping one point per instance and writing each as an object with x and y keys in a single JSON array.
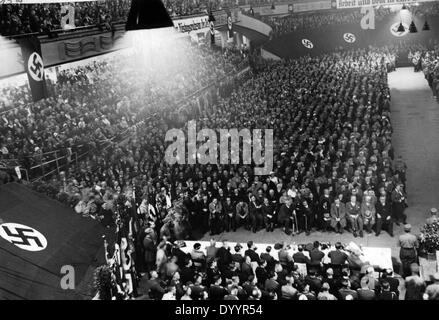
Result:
[{"x": 219, "y": 150}]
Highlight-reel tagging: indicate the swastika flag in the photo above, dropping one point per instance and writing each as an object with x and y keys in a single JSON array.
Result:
[{"x": 33, "y": 64}]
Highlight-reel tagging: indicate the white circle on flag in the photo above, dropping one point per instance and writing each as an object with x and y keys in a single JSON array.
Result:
[
  {"x": 35, "y": 66},
  {"x": 349, "y": 37},
  {"x": 394, "y": 29},
  {"x": 22, "y": 236},
  {"x": 307, "y": 43}
]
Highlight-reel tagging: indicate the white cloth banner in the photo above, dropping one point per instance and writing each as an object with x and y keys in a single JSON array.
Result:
[{"x": 345, "y": 4}]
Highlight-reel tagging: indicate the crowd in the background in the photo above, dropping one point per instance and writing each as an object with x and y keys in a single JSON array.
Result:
[
  {"x": 315, "y": 20},
  {"x": 305, "y": 21},
  {"x": 42, "y": 18},
  {"x": 427, "y": 60},
  {"x": 18, "y": 19},
  {"x": 92, "y": 104}
]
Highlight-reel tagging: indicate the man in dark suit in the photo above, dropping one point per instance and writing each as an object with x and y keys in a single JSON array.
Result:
[
  {"x": 387, "y": 276},
  {"x": 237, "y": 256},
  {"x": 324, "y": 210},
  {"x": 216, "y": 291},
  {"x": 337, "y": 256},
  {"x": 399, "y": 203},
  {"x": 333, "y": 283},
  {"x": 255, "y": 214},
  {"x": 383, "y": 216},
  {"x": 224, "y": 256},
  {"x": 300, "y": 257},
  {"x": 251, "y": 252},
  {"x": 346, "y": 292},
  {"x": 180, "y": 254},
  {"x": 315, "y": 283},
  {"x": 316, "y": 256},
  {"x": 261, "y": 272},
  {"x": 285, "y": 216},
  {"x": 353, "y": 214},
  {"x": 151, "y": 286},
  {"x": 187, "y": 273},
  {"x": 269, "y": 258},
  {"x": 246, "y": 269},
  {"x": 338, "y": 216},
  {"x": 386, "y": 294},
  {"x": 365, "y": 293},
  {"x": 271, "y": 284}
]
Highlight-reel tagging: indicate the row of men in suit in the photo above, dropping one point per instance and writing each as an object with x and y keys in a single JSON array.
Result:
[{"x": 354, "y": 215}]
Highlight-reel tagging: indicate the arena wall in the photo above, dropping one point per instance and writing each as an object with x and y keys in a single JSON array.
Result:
[{"x": 327, "y": 39}]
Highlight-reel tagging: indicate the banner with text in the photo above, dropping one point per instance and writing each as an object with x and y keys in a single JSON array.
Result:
[
  {"x": 346, "y": 4},
  {"x": 311, "y": 6}
]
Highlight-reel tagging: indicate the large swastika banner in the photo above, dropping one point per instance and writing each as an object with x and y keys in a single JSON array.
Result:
[{"x": 33, "y": 64}]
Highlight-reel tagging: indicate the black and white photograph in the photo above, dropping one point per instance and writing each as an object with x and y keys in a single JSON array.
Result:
[{"x": 212, "y": 156}]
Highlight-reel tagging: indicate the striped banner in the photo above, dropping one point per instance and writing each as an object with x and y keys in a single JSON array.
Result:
[{"x": 344, "y": 4}]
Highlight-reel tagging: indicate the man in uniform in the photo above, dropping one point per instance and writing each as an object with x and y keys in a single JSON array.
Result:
[
  {"x": 408, "y": 243},
  {"x": 433, "y": 218},
  {"x": 399, "y": 203}
]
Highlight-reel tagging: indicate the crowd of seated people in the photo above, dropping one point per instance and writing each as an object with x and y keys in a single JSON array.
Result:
[
  {"x": 305, "y": 21},
  {"x": 315, "y": 271},
  {"x": 16, "y": 19},
  {"x": 94, "y": 103},
  {"x": 334, "y": 166}
]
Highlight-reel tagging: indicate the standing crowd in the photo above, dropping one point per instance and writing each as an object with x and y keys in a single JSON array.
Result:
[
  {"x": 427, "y": 60},
  {"x": 315, "y": 271}
]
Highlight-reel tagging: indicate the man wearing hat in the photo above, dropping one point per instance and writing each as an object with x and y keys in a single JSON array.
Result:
[
  {"x": 433, "y": 289},
  {"x": 433, "y": 218},
  {"x": 408, "y": 243}
]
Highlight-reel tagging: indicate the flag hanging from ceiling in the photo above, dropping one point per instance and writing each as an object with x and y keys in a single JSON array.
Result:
[
  {"x": 230, "y": 24},
  {"x": 33, "y": 64},
  {"x": 212, "y": 28}
]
